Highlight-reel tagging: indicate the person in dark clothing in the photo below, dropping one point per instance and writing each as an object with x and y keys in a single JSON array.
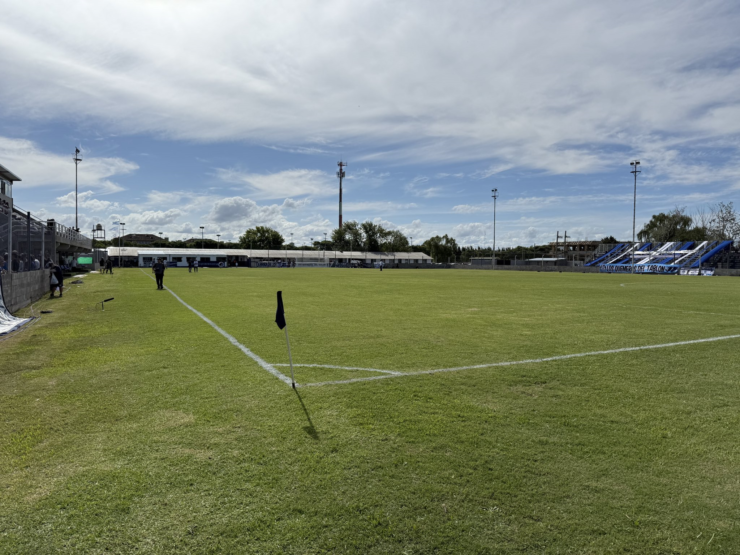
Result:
[
  {"x": 190, "y": 265},
  {"x": 109, "y": 266},
  {"x": 158, "y": 268},
  {"x": 57, "y": 272}
]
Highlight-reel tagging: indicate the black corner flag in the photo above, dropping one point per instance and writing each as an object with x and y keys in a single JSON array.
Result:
[
  {"x": 280, "y": 315},
  {"x": 280, "y": 321}
]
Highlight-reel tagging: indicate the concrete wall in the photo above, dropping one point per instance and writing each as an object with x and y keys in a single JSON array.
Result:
[{"x": 23, "y": 288}]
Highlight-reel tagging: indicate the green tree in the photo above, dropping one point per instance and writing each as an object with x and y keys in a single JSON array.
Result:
[
  {"x": 724, "y": 222},
  {"x": 374, "y": 235},
  {"x": 676, "y": 225},
  {"x": 261, "y": 237},
  {"x": 395, "y": 241},
  {"x": 609, "y": 240},
  {"x": 441, "y": 249},
  {"x": 348, "y": 237}
]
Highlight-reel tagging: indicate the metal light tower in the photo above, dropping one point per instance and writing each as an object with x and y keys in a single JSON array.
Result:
[
  {"x": 494, "y": 194},
  {"x": 77, "y": 160},
  {"x": 340, "y": 175},
  {"x": 122, "y": 230},
  {"x": 635, "y": 171},
  {"x": 201, "y": 237},
  {"x": 324, "y": 247},
  {"x": 218, "y": 240}
]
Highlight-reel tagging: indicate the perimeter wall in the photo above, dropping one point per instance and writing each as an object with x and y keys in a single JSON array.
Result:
[{"x": 23, "y": 288}]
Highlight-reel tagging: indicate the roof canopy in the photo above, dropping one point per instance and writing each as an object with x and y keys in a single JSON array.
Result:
[
  {"x": 6, "y": 174},
  {"x": 264, "y": 253}
]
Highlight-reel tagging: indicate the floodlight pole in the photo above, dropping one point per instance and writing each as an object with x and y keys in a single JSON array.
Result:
[
  {"x": 218, "y": 240},
  {"x": 493, "y": 253},
  {"x": 324, "y": 247},
  {"x": 340, "y": 175},
  {"x": 120, "y": 236},
  {"x": 201, "y": 237},
  {"x": 635, "y": 171},
  {"x": 77, "y": 159}
]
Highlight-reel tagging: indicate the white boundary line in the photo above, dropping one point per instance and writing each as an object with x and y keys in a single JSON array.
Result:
[
  {"x": 263, "y": 363},
  {"x": 344, "y": 368},
  {"x": 392, "y": 374},
  {"x": 528, "y": 361}
]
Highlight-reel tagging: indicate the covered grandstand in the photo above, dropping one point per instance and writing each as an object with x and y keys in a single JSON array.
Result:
[{"x": 663, "y": 258}]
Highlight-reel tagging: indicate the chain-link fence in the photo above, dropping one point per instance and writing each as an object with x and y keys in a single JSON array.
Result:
[{"x": 26, "y": 243}]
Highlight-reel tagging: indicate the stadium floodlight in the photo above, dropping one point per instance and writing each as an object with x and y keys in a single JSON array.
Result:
[
  {"x": 494, "y": 194},
  {"x": 635, "y": 171},
  {"x": 77, "y": 159},
  {"x": 218, "y": 240},
  {"x": 201, "y": 237},
  {"x": 122, "y": 229}
]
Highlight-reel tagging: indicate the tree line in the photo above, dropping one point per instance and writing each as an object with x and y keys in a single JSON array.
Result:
[{"x": 717, "y": 222}]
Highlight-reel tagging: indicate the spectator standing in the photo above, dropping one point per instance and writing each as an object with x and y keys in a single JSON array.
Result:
[
  {"x": 56, "y": 275},
  {"x": 109, "y": 266},
  {"x": 190, "y": 265},
  {"x": 195, "y": 266}
]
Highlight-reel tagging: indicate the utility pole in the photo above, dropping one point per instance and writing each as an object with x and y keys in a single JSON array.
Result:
[
  {"x": 635, "y": 171},
  {"x": 494, "y": 194},
  {"x": 77, "y": 160},
  {"x": 340, "y": 175},
  {"x": 565, "y": 245}
]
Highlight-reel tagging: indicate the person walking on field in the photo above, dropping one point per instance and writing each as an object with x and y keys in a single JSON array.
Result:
[{"x": 158, "y": 268}]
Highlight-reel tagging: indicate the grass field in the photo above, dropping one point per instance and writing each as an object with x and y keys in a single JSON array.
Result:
[{"x": 142, "y": 429}]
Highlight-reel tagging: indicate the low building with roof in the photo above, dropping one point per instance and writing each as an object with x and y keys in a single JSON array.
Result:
[{"x": 143, "y": 257}]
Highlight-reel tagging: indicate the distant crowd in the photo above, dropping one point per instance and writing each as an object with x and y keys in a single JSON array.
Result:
[{"x": 23, "y": 262}]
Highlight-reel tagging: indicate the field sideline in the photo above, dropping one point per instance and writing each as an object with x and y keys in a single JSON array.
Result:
[{"x": 141, "y": 428}]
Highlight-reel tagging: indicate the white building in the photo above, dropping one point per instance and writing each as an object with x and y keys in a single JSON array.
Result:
[{"x": 143, "y": 257}]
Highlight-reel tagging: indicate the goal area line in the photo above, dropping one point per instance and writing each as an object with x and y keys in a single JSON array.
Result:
[{"x": 388, "y": 374}]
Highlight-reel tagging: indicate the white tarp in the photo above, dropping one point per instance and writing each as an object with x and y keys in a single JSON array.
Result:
[{"x": 8, "y": 322}]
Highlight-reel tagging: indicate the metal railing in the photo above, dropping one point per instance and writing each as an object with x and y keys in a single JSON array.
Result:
[{"x": 28, "y": 243}]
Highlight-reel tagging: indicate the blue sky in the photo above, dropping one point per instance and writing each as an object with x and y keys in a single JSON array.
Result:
[{"x": 229, "y": 114}]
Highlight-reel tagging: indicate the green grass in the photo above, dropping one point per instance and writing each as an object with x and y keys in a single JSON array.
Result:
[{"x": 141, "y": 429}]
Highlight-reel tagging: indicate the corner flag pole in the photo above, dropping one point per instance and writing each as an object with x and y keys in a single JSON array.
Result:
[
  {"x": 290, "y": 357},
  {"x": 280, "y": 321}
]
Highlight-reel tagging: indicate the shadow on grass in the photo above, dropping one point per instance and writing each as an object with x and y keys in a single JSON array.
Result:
[{"x": 310, "y": 429}]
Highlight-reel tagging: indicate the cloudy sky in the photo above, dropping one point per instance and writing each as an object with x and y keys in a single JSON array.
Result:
[{"x": 233, "y": 114}]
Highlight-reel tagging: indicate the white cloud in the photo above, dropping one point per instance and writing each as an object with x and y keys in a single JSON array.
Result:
[
  {"x": 239, "y": 209},
  {"x": 144, "y": 222},
  {"x": 85, "y": 200},
  {"x": 37, "y": 167},
  {"x": 288, "y": 183},
  {"x": 538, "y": 85}
]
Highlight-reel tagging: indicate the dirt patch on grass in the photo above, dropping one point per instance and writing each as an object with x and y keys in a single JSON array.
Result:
[{"x": 172, "y": 419}]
